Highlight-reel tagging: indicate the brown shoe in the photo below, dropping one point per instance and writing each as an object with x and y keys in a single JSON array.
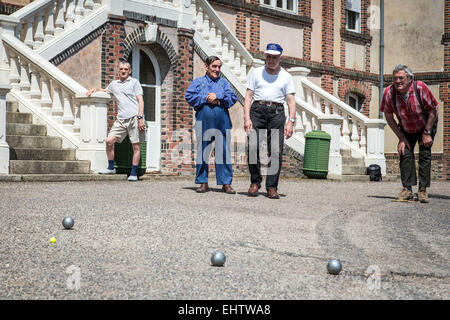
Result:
[
  {"x": 203, "y": 188},
  {"x": 228, "y": 189},
  {"x": 253, "y": 190},
  {"x": 423, "y": 195},
  {"x": 405, "y": 195},
  {"x": 273, "y": 194}
]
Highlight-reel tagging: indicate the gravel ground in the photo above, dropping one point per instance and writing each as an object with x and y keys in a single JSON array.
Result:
[{"x": 154, "y": 239}]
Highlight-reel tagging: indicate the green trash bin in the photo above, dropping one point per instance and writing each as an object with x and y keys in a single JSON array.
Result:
[
  {"x": 317, "y": 154},
  {"x": 123, "y": 157}
]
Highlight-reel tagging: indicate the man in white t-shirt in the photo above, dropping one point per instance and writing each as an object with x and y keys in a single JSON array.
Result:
[
  {"x": 268, "y": 87},
  {"x": 130, "y": 117}
]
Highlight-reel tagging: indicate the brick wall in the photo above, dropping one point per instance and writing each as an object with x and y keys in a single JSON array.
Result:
[
  {"x": 254, "y": 32},
  {"x": 179, "y": 116},
  {"x": 241, "y": 29},
  {"x": 304, "y": 9}
]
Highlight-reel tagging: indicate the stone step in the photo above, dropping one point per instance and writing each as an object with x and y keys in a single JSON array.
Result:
[
  {"x": 19, "y": 117},
  {"x": 16, "y": 129},
  {"x": 353, "y": 161},
  {"x": 42, "y": 154},
  {"x": 354, "y": 170},
  {"x": 355, "y": 177},
  {"x": 34, "y": 142},
  {"x": 48, "y": 167}
]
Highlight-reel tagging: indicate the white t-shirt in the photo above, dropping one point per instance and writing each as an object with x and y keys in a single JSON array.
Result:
[
  {"x": 126, "y": 93},
  {"x": 268, "y": 87}
]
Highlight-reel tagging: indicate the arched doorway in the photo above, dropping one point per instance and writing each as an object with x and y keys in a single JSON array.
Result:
[{"x": 145, "y": 68}]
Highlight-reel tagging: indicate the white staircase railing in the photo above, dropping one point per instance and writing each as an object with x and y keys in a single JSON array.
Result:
[
  {"x": 57, "y": 101},
  {"x": 42, "y": 20},
  {"x": 51, "y": 26},
  {"x": 363, "y": 136},
  {"x": 215, "y": 33}
]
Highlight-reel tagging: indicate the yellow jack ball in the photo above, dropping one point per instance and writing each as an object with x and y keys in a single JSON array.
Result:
[{"x": 52, "y": 240}]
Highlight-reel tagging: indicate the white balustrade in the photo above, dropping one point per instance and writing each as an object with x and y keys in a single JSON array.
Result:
[
  {"x": 60, "y": 23},
  {"x": 24, "y": 83},
  {"x": 35, "y": 90},
  {"x": 43, "y": 20},
  {"x": 70, "y": 13},
  {"x": 14, "y": 75},
  {"x": 4, "y": 147},
  {"x": 39, "y": 33},
  {"x": 79, "y": 11},
  {"x": 68, "y": 118},
  {"x": 49, "y": 32},
  {"x": 46, "y": 99},
  {"x": 363, "y": 136},
  {"x": 221, "y": 40},
  {"x": 58, "y": 101}
]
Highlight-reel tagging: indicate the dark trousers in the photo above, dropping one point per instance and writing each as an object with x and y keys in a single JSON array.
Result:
[
  {"x": 408, "y": 163},
  {"x": 268, "y": 123}
]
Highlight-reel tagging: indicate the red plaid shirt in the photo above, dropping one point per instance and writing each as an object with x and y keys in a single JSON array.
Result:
[{"x": 409, "y": 113}]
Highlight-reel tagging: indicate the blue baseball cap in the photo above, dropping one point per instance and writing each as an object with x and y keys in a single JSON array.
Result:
[{"x": 273, "y": 48}]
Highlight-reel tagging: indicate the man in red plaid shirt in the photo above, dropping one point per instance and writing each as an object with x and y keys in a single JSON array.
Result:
[{"x": 416, "y": 123}]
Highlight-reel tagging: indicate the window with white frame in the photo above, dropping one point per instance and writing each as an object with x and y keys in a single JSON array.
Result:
[
  {"x": 287, "y": 5},
  {"x": 354, "y": 101},
  {"x": 353, "y": 15}
]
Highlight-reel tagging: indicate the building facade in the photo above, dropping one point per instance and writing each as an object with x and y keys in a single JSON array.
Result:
[{"x": 338, "y": 41}]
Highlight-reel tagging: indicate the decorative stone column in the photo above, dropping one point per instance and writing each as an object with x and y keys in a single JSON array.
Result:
[
  {"x": 299, "y": 73},
  {"x": 331, "y": 124},
  {"x": 375, "y": 144},
  {"x": 93, "y": 129},
  {"x": 7, "y": 25}
]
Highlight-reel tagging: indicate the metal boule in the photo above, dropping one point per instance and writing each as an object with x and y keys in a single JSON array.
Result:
[
  {"x": 334, "y": 266},
  {"x": 68, "y": 222},
  {"x": 218, "y": 259}
]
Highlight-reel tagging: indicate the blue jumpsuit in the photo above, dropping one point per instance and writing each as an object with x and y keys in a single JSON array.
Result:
[{"x": 212, "y": 123}]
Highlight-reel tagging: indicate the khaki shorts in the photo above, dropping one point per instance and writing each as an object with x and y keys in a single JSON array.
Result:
[{"x": 122, "y": 128}]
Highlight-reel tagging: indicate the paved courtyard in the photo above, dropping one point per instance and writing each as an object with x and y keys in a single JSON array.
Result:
[{"x": 153, "y": 240}]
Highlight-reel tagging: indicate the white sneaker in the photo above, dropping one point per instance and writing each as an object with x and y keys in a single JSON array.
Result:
[
  {"x": 132, "y": 178},
  {"x": 107, "y": 171}
]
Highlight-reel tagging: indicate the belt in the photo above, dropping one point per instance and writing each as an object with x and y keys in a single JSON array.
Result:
[{"x": 269, "y": 103}]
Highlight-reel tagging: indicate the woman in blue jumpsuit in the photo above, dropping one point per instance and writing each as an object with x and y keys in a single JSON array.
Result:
[{"x": 211, "y": 96}]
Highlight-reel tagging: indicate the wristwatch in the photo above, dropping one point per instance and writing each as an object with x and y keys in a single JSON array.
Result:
[
  {"x": 427, "y": 132},
  {"x": 292, "y": 120},
  {"x": 140, "y": 117}
]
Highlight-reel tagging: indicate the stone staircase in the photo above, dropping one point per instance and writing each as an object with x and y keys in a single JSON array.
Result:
[
  {"x": 32, "y": 151},
  {"x": 353, "y": 169}
]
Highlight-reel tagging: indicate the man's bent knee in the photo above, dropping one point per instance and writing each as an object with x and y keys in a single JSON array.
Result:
[{"x": 111, "y": 140}]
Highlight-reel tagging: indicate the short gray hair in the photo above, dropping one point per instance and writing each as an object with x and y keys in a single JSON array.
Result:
[
  {"x": 124, "y": 63},
  {"x": 401, "y": 67}
]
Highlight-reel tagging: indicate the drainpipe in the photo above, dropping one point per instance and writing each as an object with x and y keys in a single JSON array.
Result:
[{"x": 380, "y": 116}]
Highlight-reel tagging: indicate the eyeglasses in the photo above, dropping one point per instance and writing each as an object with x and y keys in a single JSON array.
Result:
[{"x": 399, "y": 78}]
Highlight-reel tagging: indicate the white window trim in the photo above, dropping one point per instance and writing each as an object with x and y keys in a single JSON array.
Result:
[
  {"x": 357, "y": 99},
  {"x": 357, "y": 22},
  {"x": 354, "y": 6},
  {"x": 273, "y": 5}
]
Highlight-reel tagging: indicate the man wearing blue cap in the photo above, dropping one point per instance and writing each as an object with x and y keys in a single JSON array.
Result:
[{"x": 268, "y": 87}]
